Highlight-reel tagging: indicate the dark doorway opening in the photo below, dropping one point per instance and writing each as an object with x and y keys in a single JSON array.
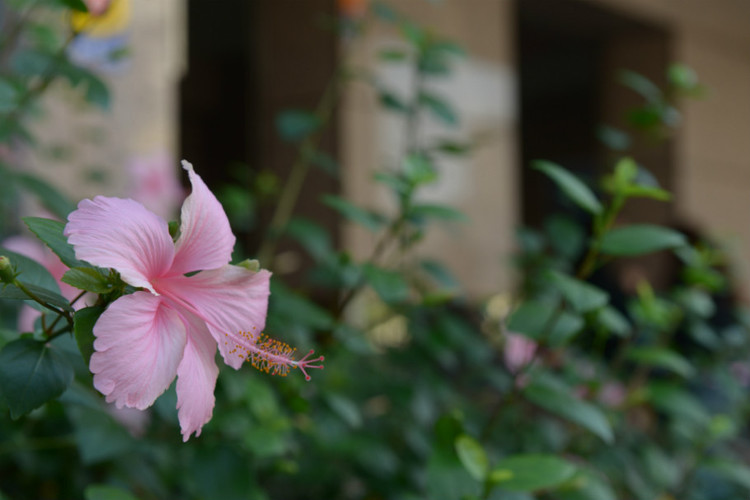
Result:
[
  {"x": 248, "y": 61},
  {"x": 569, "y": 55}
]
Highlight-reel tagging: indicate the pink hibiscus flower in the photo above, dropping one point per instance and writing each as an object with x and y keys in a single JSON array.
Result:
[
  {"x": 519, "y": 351},
  {"x": 97, "y": 7},
  {"x": 154, "y": 183},
  {"x": 172, "y": 325}
]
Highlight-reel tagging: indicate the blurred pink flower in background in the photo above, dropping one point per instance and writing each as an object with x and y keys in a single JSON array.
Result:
[
  {"x": 154, "y": 183},
  {"x": 519, "y": 351},
  {"x": 741, "y": 371},
  {"x": 97, "y": 7},
  {"x": 33, "y": 249},
  {"x": 612, "y": 394},
  {"x": 134, "y": 420}
]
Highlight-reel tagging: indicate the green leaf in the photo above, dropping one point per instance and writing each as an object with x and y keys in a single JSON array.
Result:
[
  {"x": 294, "y": 125},
  {"x": 433, "y": 63},
  {"x": 47, "y": 195},
  {"x": 366, "y": 218},
  {"x": 83, "y": 329},
  {"x": 438, "y": 272},
  {"x": 538, "y": 319},
  {"x": 391, "y": 101},
  {"x": 78, "y": 5},
  {"x": 697, "y": 302},
  {"x": 613, "y": 138},
  {"x": 682, "y": 76},
  {"x": 564, "y": 328},
  {"x": 734, "y": 471},
  {"x": 531, "y": 472},
  {"x": 98, "y": 436},
  {"x": 419, "y": 169},
  {"x": 50, "y": 232},
  {"x": 346, "y": 409},
  {"x": 645, "y": 118},
  {"x": 586, "y": 485},
  {"x": 45, "y": 37},
  {"x": 105, "y": 492},
  {"x": 613, "y": 321},
  {"x": 312, "y": 236},
  {"x": 30, "y": 62},
  {"x": 325, "y": 162},
  {"x": 662, "y": 358},
  {"x": 31, "y": 373},
  {"x": 704, "y": 335},
  {"x": 472, "y": 456},
  {"x": 678, "y": 403},
  {"x": 447, "y": 478},
  {"x": 396, "y": 182},
  {"x": 389, "y": 285},
  {"x": 288, "y": 304},
  {"x": 415, "y": 34},
  {"x": 433, "y": 211},
  {"x": 12, "y": 292},
  {"x": 455, "y": 148},
  {"x": 640, "y": 240},
  {"x": 650, "y": 192},
  {"x": 97, "y": 92},
  {"x": 582, "y": 296},
  {"x": 439, "y": 107},
  {"x": 573, "y": 188},
  {"x": 89, "y": 279},
  {"x": 565, "y": 236},
  {"x": 448, "y": 47},
  {"x": 8, "y": 97},
  {"x": 392, "y": 55},
  {"x": 631, "y": 181},
  {"x": 556, "y": 398},
  {"x": 642, "y": 85},
  {"x": 662, "y": 468},
  {"x": 531, "y": 318},
  {"x": 384, "y": 12},
  {"x": 626, "y": 171}
]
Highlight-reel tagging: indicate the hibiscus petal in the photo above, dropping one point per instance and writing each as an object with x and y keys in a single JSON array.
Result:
[
  {"x": 206, "y": 240},
  {"x": 139, "y": 344},
  {"x": 229, "y": 299},
  {"x": 196, "y": 378},
  {"x": 123, "y": 235}
]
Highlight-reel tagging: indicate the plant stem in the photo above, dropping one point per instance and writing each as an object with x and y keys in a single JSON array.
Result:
[
  {"x": 37, "y": 90},
  {"x": 64, "y": 329},
  {"x": 601, "y": 226},
  {"x": 391, "y": 233},
  {"x": 50, "y": 335},
  {"x": 14, "y": 33},
  {"x": 300, "y": 167},
  {"x": 41, "y": 302}
]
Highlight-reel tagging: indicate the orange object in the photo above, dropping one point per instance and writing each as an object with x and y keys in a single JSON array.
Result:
[{"x": 353, "y": 8}]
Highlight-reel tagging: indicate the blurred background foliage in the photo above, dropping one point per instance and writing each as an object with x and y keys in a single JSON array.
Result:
[{"x": 585, "y": 383}]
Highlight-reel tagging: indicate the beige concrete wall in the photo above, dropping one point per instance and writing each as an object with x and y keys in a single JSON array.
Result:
[
  {"x": 141, "y": 122},
  {"x": 483, "y": 186}
]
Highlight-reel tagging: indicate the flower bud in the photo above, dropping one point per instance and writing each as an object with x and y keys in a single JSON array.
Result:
[
  {"x": 174, "y": 229},
  {"x": 7, "y": 274},
  {"x": 252, "y": 265}
]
